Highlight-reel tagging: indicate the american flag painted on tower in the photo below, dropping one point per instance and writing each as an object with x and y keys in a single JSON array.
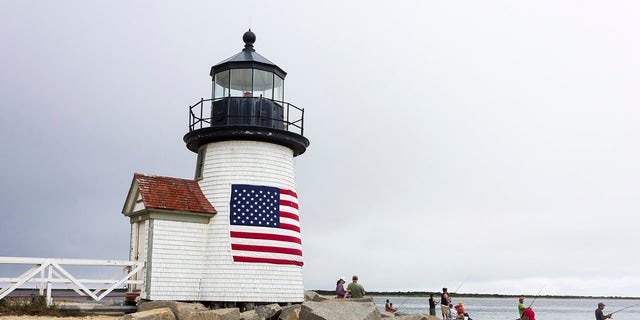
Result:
[{"x": 264, "y": 225}]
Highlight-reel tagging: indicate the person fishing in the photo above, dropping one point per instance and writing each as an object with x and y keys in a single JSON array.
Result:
[
  {"x": 461, "y": 312},
  {"x": 388, "y": 307},
  {"x": 432, "y": 305},
  {"x": 600, "y": 315},
  {"x": 521, "y": 306},
  {"x": 444, "y": 304}
]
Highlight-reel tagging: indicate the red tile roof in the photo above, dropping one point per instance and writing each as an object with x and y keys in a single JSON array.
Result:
[{"x": 172, "y": 194}]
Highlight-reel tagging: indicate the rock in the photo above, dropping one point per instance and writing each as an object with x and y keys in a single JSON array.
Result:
[
  {"x": 216, "y": 314},
  {"x": 363, "y": 299},
  {"x": 269, "y": 311},
  {"x": 415, "y": 316},
  {"x": 312, "y": 296},
  {"x": 153, "y": 314},
  {"x": 290, "y": 312},
  {"x": 181, "y": 310},
  {"x": 385, "y": 314},
  {"x": 249, "y": 315},
  {"x": 339, "y": 310}
]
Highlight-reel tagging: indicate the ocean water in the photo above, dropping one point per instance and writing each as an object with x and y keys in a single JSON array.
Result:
[{"x": 507, "y": 308}]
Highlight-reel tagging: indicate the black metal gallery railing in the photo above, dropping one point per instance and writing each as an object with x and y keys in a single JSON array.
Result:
[{"x": 246, "y": 111}]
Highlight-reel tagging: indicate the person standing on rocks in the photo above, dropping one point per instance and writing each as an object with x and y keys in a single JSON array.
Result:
[
  {"x": 356, "y": 289},
  {"x": 599, "y": 314},
  {"x": 432, "y": 305},
  {"x": 444, "y": 304}
]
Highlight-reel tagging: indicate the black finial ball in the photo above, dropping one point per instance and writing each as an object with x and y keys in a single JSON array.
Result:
[{"x": 249, "y": 38}]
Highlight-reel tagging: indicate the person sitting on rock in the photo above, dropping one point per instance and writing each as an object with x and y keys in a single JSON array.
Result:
[
  {"x": 340, "y": 292},
  {"x": 528, "y": 314},
  {"x": 356, "y": 289},
  {"x": 461, "y": 312},
  {"x": 388, "y": 307}
]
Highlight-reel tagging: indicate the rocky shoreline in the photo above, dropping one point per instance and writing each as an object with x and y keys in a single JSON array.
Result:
[{"x": 315, "y": 307}]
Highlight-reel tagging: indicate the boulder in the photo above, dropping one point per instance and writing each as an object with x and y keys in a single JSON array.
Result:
[
  {"x": 216, "y": 314},
  {"x": 269, "y": 311},
  {"x": 181, "y": 310},
  {"x": 312, "y": 296},
  {"x": 153, "y": 314},
  {"x": 415, "y": 316},
  {"x": 363, "y": 299},
  {"x": 290, "y": 312},
  {"x": 385, "y": 314},
  {"x": 249, "y": 315},
  {"x": 339, "y": 310}
]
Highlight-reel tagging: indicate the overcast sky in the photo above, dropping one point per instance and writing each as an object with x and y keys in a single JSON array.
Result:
[{"x": 485, "y": 145}]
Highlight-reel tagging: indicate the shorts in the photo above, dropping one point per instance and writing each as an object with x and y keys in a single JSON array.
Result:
[{"x": 445, "y": 310}]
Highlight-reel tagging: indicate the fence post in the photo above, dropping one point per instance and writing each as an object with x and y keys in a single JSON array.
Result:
[{"x": 49, "y": 277}]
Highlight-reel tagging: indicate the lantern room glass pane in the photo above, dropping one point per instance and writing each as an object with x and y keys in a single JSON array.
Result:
[
  {"x": 240, "y": 82},
  {"x": 278, "y": 88},
  {"x": 221, "y": 85},
  {"x": 262, "y": 84}
]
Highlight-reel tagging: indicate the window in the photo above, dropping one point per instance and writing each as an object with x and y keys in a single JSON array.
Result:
[
  {"x": 241, "y": 80},
  {"x": 262, "y": 84},
  {"x": 200, "y": 162},
  {"x": 221, "y": 85},
  {"x": 278, "y": 89}
]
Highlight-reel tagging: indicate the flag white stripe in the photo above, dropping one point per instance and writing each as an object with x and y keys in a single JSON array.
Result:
[
  {"x": 288, "y": 198},
  {"x": 269, "y": 255},
  {"x": 264, "y": 230},
  {"x": 271, "y": 243}
]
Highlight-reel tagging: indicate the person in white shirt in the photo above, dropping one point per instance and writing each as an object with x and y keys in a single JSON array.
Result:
[{"x": 452, "y": 312}]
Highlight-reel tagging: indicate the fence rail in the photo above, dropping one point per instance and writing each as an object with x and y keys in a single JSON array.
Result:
[{"x": 45, "y": 272}]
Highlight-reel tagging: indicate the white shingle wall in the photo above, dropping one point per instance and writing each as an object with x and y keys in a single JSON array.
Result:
[
  {"x": 244, "y": 162},
  {"x": 178, "y": 257}
]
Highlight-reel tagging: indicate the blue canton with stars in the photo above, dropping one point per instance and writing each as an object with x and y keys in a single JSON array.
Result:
[{"x": 256, "y": 206}]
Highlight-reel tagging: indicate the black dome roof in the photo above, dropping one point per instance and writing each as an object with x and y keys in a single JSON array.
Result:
[{"x": 248, "y": 58}]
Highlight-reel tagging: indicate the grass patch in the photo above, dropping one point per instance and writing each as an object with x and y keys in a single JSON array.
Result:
[{"x": 35, "y": 306}]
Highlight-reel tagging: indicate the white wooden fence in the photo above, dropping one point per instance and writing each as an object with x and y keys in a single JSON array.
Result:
[{"x": 45, "y": 272}]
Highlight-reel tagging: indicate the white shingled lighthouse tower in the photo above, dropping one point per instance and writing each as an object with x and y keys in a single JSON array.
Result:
[{"x": 232, "y": 234}]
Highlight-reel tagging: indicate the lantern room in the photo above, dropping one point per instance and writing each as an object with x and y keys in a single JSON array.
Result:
[
  {"x": 248, "y": 74},
  {"x": 247, "y": 103},
  {"x": 248, "y": 89}
]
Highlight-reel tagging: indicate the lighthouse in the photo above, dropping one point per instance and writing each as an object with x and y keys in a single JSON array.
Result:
[{"x": 232, "y": 233}]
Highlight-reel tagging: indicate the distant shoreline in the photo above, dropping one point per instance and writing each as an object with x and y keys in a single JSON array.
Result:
[{"x": 478, "y": 295}]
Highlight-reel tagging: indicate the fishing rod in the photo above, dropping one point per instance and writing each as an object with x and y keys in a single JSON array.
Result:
[
  {"x": 536, "y": 297},
  {"x": 461, "y": 283},
  {"x": 637, "y": 304},
  {"x": 405, "y": 300}
]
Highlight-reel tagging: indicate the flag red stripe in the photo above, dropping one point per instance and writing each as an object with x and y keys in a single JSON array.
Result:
[
  {"x": 289, "y": 215},
  {"x": 291, "y": 227},
  {"x": 264, "y": 236},
  {"x": 288, "y": 203},
  {"x": 249, "y": 247},
  {"x": 289, "y": 192},
  {"x": 266, "y": 260}
]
